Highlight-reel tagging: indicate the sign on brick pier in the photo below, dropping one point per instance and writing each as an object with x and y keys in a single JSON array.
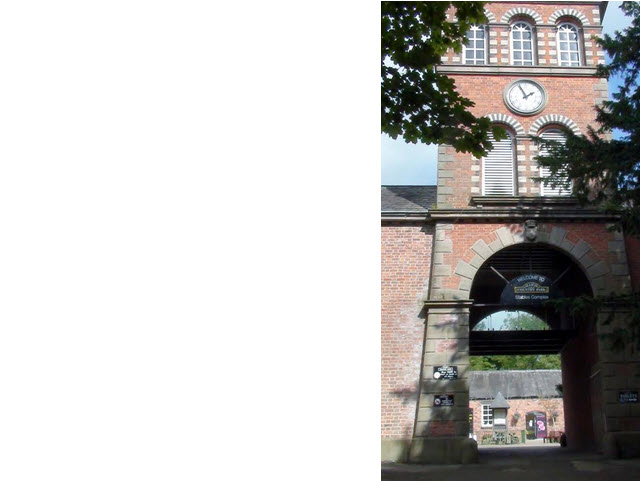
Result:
[
  {"x": 445, "y": 373},
  {"x": 443, "y": 400},
  {"x": 628, "y": 397}
]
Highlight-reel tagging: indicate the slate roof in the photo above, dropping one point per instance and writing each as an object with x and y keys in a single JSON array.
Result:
[
  {"x": 408, "y": 198},
  {"x": 514, "y": 384}
]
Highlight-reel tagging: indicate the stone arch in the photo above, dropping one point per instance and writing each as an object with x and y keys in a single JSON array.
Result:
[
  {"x": 595, "y": 269},
  {"x": 509, "y": 120},
  {"x": 535, "y": 16},
  {"x": 553, "y": 119},
  {"x": 490, "y": 16},
  {"x": 569, "y": 12}
]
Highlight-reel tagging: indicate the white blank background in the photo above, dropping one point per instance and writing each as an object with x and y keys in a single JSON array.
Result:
[{"x": 189, "y": 240}]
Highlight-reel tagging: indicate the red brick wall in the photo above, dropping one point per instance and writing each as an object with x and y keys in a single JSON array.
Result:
[
  {"x": 543, "y": 51},
  {"x": 522, "y": 406},
  {"x": 463, "y": 237},
  {"x": 406, "y": 261},
  {"x": 574, "y": 98},
  {"x": 569, "y": 96},
  {"x": 544, "y": 9},
  {"x": 578, "y": 357}
]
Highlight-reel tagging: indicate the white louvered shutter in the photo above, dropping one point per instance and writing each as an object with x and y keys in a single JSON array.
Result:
[
  {"x": 497, "y": 168},
  {"x": 548, "y": 190}
]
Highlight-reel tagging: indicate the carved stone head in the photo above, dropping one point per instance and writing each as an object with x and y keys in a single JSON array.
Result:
[{"x": 531, "y": 230}]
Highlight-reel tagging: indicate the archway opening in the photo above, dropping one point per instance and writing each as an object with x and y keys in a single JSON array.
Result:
[
  {"x": 515, "y": 320},
  {"x": 513, "y": 329}
]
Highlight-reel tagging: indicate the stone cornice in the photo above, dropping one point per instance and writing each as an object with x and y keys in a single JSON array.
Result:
[
  {"x": 550, "y": 212},
  {"x": 407, "y": 217},
  {"x": 448, "y": 303},
  {"x": 517, "y": 70},
  {"x": 520, "y": 213},
  {"x": 503, "y": 200}
]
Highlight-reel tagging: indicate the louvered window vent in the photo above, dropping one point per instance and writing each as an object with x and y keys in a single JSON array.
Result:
[
  {"x": 548, "y": 190},
  {"x": 498, "y": 168}
]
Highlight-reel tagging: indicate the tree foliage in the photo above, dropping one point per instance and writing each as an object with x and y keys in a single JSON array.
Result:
[
  {"x": 525, "y": 362},
  {"x": 523, "y": 321},
  {"x": 621, "y": 323},
  {"x": 516, "y": 321},
  {"x": 605, "y": 172},
  {"x": 419, "y": 103}
]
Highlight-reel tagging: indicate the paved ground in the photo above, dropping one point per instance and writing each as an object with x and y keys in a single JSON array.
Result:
[{"x": 530, "y": 462}]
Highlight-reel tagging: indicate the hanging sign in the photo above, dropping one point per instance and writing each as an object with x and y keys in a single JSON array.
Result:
[
  {"x": 443, "y": 400},
  {"x": 445, "y": 372},
  {"x": 628, "y": 397},
  {"x": 528, "y": 289}
]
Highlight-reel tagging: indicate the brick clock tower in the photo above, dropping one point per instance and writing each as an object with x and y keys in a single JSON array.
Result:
[{"x": 451, "y": 251}]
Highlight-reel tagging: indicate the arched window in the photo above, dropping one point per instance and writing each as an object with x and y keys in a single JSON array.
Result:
[
  {"x": 568, "y": 45},
  {"x": 522, "y": 48},
  {"x": 498, "y": 172},
  {"x": 548, "y": 190},
  {"x": 475, "y": 51}
]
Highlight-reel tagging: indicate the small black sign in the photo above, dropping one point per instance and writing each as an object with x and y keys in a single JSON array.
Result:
[
  {"x": 443, "y": 400},
  {"x": 528, "y": 289},
  {"x": 445, "y": 372},
  {"x": 628, "y": 397}
]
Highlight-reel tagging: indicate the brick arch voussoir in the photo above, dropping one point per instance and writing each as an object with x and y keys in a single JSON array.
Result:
[
  {"x": 581, "y": 253},
  {"x": 507, "y": 120},
  {"x": 490, "y": 16},
  {"x": 553, "y": 119},
  {"x": 532, "y": 14},
  {"x": 569, "y": 12}
]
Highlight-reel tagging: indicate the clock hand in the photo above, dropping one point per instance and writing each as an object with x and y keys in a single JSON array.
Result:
[{"x": 523, "y": 92}]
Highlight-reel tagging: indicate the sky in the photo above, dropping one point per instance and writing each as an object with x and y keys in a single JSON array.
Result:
[{"x": 415, "y": 164}]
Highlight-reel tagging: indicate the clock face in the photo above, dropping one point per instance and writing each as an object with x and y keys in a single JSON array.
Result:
[{"x": 525, "y": 97}]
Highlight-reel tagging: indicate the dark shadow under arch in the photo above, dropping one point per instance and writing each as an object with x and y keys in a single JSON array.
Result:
[{"x": 520, "y": 259}]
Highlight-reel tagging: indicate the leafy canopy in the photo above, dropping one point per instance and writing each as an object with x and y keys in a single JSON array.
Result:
[
  {"x": 525, "y": 362},
  {"x": 418, "y": 103},
  {"x": 513, "y": 322},
  {"x": 606, "y": 171}
]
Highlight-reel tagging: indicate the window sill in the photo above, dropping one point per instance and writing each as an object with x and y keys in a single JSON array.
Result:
[
  {"x": 510, "y": 200},
  {"x": 470, "y": 69}
]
